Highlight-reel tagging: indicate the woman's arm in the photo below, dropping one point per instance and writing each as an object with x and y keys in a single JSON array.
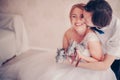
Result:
[
  {"x": 95, "y": 52},
  {"x": 100, "y": 65},
  {"x": 65, "y": 42},
  {"x": 86, "y": 58}
]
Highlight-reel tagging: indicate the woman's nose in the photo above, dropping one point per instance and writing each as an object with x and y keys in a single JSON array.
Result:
[{"x": 80, "y": 20}]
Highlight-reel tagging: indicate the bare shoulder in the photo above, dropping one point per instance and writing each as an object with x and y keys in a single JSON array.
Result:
[
  {"x": 68, "y": 32},
  {"x": 91, "y": 33}
]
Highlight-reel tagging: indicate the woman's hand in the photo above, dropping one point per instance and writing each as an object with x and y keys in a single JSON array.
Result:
[
  {"x": 85, "y": 58},
  {"x": 79, "y": 55}
]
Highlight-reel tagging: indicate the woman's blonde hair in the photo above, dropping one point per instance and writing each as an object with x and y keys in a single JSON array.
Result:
[{"x": 79, "y": 5}]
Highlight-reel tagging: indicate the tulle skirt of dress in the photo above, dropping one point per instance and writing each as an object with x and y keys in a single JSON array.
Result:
[
  {"x": 68, "y": 72},
  {"x": 43, "y": 67}
]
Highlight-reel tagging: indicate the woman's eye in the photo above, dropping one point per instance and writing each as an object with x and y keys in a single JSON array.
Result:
[{"x": 73, "y": 16}]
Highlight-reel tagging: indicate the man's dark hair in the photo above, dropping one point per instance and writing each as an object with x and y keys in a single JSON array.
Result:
[{"x": 102, "y": 12}]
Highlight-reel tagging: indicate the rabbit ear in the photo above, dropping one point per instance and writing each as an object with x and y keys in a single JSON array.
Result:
[{"x": 58, "y": 50}]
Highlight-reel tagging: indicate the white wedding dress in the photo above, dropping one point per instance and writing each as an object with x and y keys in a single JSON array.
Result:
[
  {"x": 42, "y": 66},
  {"x": 63, "y": 71}
]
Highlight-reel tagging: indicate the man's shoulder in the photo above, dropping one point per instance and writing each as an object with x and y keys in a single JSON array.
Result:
[
  {"x": 115, "y": 19},
  {"x": 115, "y": 22}
]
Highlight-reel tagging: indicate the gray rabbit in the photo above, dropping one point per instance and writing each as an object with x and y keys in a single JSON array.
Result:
[
  {"x": 70, "y": 52},
  {"x": 60, "y": 57}
]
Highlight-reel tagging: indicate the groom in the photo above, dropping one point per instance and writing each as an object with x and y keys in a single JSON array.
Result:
[{"x": 98, "y": 15}]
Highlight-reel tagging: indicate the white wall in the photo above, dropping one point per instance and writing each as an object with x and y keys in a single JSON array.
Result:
[{"x": 46, "y": 20}]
